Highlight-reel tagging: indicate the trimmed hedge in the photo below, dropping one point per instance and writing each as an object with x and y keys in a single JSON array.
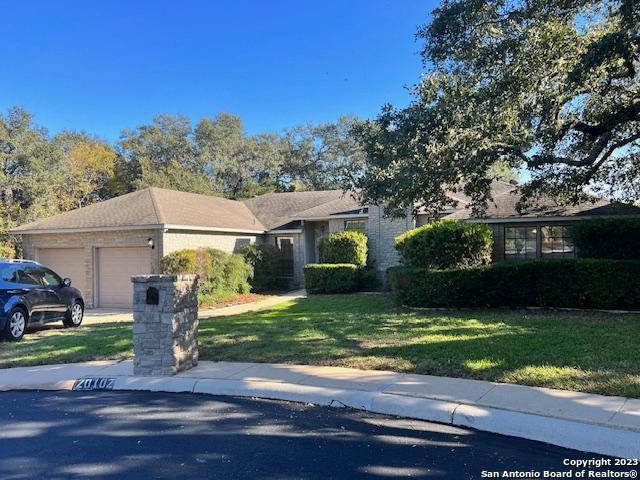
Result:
[
  {"x": 267, "y": 270},
  {"x": 344, "y": 247},
  {"x": 330, "y": 277},
  {"x": 446, "y": 244},
  {"x": 221, "y": 274},
  {"x": 613, "y": 238},
  {"x": 588, "y": 283}
]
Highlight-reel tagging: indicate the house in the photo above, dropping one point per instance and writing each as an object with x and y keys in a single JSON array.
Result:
[{"x": 100, "y": 246}]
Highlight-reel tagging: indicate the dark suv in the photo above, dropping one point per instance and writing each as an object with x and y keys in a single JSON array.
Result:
[{"x": 31, "y": 294}]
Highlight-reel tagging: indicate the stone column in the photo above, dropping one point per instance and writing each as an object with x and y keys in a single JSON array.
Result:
[{"x": 165, "y": 323}]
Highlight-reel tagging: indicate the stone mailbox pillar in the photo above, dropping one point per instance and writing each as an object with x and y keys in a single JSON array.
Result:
[{"x": 165, "y": 324}]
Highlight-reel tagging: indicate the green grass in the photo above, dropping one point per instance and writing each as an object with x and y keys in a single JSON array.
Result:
[
  {"x": 57, "y": 345},
  {"x": 590, "y": 352}
]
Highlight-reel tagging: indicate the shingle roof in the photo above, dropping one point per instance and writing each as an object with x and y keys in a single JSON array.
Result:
[
  {"x": 152, "y": 207},
  {"x": 346, "y": 204},
  {"x": 276, "y": 209},
  {"x": 503, "y": 206}
]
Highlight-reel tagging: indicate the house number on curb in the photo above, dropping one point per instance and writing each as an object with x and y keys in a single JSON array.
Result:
[{"x": 95, "y": 383}]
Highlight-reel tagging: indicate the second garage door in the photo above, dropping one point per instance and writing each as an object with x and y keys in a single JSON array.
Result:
[
  {"x": 66, "y": 262},
  {"x": 115, "y": 267}
]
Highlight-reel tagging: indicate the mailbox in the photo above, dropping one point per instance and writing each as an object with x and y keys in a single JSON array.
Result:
[{"x": 152, "y": 296}]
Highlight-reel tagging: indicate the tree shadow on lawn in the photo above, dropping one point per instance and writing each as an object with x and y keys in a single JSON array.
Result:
[{"x": 568, "y": 350}]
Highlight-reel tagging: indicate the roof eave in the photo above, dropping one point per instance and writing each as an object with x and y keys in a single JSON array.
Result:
[{"x": 329, "y": 217}]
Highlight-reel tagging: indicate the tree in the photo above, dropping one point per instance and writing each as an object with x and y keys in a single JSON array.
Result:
[
  {"x": 549, "y": 85},
  {"x": 31, "y": 170},
  {"x": 240, "y": 165},
  {"x": 91, "y": 168},
  {"x": 321, "y": 157},
  {"x": 163, "y": 155}
]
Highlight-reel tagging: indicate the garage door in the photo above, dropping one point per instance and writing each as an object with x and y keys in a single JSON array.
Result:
[
  {"x": 66, "y": 262},
  {"x": 115, "y": 267}
]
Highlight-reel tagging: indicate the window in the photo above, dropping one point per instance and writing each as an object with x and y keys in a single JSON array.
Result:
[
  {"x": 40, "y": 276},
  {"x": 520, "y": 242},
  {"x": 356, "y": 225},
  {"x": 557, "y": 242},
  {"x": 19, "y": 274}
]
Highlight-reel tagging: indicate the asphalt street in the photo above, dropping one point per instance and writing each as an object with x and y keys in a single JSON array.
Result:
[{"x": 141, "y": 435}]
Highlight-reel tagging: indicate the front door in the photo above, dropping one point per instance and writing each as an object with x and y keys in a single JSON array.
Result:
[{"x": 285, "y": 244}]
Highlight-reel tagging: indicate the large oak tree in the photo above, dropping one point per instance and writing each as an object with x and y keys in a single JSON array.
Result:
[{"x": 550, "y": 85}]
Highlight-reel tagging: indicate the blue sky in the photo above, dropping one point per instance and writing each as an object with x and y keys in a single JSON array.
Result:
[{"x": 101, "y": 66}]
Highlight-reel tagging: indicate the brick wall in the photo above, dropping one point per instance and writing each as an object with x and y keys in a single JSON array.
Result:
[
  {"x": 382, "y": 233},
  {"x": 227, "y": 242},
  {"x": 89, "y": 242}
]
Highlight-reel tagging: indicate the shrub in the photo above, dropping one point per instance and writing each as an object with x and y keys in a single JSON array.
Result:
[
  {"x": 330, "y": 277},
  {"x": 368, "y": 278},
  {"x": 267, "y": 271},
  {"x": 613, "y": 238},
  {"x": 446, "y": 244},
  {"x": 344, "y": 247},
  {"x": 221, "y": 274},
  {"x": 588, "y": 283},
  {"x": 7, "y": 251}
]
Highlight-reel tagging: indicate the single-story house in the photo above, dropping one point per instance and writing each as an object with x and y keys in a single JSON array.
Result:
[{"x": 101, "y": 245}]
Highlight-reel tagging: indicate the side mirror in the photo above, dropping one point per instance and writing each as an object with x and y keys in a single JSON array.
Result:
[{"x": 66, "y": 282}]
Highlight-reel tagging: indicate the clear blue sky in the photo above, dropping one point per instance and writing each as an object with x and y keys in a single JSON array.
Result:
[{"x": 101, "y": 66}]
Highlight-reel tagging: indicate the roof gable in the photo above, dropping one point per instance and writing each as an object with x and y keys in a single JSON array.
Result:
[
  {"x": 277, "y": 209},
  {"x": 154, "y": 207}
]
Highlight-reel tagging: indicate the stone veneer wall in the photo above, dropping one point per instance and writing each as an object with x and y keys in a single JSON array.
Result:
[{"x": 165, "y": 336}]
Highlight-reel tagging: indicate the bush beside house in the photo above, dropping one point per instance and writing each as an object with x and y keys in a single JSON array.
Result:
[
  {"x": 584, "y": 283},
  {"x": 344, "y": 247},
  {"x": 345, "y": 266},
  {"x": 7, "y": 251},
  {"x": 330, "y": 277},
  {"x": 222, "y": 275},
  {"x": 614, "y": 238},
  {"x": 446, "y": 244},
  {"x": 267, "y": 270}
]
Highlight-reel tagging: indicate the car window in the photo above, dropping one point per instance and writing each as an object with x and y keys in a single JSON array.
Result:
[
  {"x": 18, "y": 274},
  {"x": 8, "y": 274},
  {"x": 43, "y": 276}
]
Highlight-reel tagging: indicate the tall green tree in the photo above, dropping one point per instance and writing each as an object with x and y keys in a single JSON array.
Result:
[
  {"x": 31, "y": 170},
  {"x": 239, "y": 165},
  {"x": 163, "y": 154},
  {"x": 550, "y": 85},
  {"x": 322, "y": 156}
]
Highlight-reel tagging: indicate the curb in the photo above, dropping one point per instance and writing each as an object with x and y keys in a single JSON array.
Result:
[{"x": 571, "y": 434}]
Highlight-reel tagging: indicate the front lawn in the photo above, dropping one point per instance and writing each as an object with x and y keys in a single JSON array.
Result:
[{"x": 591, "y": 352}]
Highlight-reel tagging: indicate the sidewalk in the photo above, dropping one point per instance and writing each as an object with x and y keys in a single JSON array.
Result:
[
  {"x": 99, "y": 316},
  {"x": 592, "y": 423}
]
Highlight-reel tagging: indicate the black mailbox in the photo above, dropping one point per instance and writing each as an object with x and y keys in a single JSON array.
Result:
[{"x": 152, "y": 296}]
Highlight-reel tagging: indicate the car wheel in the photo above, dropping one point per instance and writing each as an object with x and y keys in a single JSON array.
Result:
[
  {"x": 74, "y": 316},
  {"x": 16, "y": 325}
]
